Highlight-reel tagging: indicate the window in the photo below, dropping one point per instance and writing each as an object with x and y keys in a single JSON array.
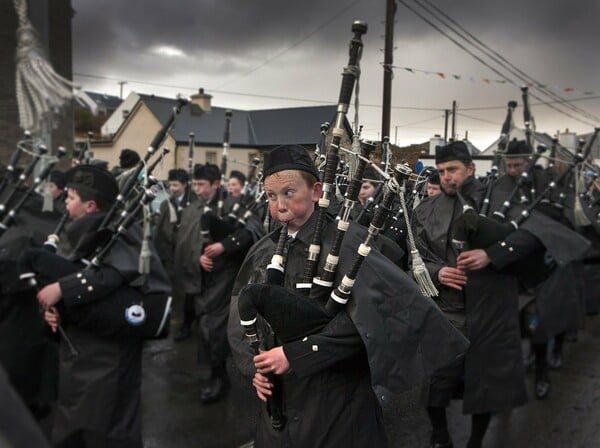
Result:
[{"x": 211, "y": 157}]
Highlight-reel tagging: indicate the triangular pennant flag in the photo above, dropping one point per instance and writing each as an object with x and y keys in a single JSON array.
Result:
[
  {"x": 409, "y": 70},
  {"x": 568, "y": 89},
  {"x": 456, "y": 76},
  {"x": 487, "y": 81},
  {"x": 441, "y": 75}
]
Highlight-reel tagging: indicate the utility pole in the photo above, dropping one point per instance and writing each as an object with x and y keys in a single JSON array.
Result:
[
  {"x": 453, "y": 119},
  {"x": 388, "y": 61},
  {"x": 121, "y": 86},
  {"x": 446, "y": 115}
]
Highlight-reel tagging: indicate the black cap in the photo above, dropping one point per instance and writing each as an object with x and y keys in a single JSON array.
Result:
[
  {"x": 58, "y": 178},
  {"x": 93, "y": 181},
  {"x": 434, "y": 178},
  {"x": 238, "y": 175},
  {"x": 518, "y": 148},
  {"x": 100, "y": 163},
  {"x": 288, "y": 157},
  {"x": 453, "y": 151},
  {"x": 128, "y": 158},
  {"x": 370, "y": 174},
  {"x": 207, "y": 172},
  {"x": 179, "y": 175}
]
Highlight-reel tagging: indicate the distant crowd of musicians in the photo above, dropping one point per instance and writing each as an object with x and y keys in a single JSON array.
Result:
[{"x": 216, "y": 232}]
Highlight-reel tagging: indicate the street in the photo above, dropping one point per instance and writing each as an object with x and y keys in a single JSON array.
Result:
[{"x": 173, "y": 416}]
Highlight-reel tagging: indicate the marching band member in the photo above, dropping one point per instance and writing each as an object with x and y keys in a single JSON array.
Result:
[
  {"x": 208, "y": 269},
  {"x": 329, "y": 378},
  {"x": 99, "y": 389},
  {"x": 477, "y": 299}
]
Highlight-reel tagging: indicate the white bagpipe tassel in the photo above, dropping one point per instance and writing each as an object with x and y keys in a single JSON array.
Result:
[
  {"x": 145, "y": 252},
  {"x": 419, "y": 270},
  {"x": 40, "y": 91},
  {"x": 48, "y": 204},
  {"x": 580, "y": 218},
  {"x": 421, "y": 275}
]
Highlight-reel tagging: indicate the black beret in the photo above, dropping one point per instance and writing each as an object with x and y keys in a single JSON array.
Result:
[
  {"x": 434, "y": 178},
  {"x": 370, "y": 174},
  {"x": 239, "y": 176},
  {"x": 289, "y": 157},
  {"x": 179, "y": 174},
  {"x": 93, "y": 181},
  {"x": 518, "y": 148},
  {"x": 453, "y": 151},
  {"x": 128, "y": 158},
  {"x": 207, "y": 172},
  {"x": 58, "y": 178},
  {"x": 100, "y": 163}
]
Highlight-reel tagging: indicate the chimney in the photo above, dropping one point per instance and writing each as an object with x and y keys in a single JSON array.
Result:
[
  {"x": 202, "y": 100},
  {"x": 435, "y": 141},
  {"x": 568, "y": 140}
]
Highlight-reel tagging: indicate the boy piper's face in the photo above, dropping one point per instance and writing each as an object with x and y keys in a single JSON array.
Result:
[
  {"x": 290, "y": 198},
  {"x": 76, "y": 207}
]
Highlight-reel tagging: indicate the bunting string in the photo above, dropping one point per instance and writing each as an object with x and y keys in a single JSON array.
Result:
[{"x": 477, "y": 79}]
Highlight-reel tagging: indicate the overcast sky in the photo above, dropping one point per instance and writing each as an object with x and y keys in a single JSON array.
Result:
[{"x": 264, "y": 54}]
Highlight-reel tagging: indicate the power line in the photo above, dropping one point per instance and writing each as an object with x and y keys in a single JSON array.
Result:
[
  {"x": 309, "y": 100},
  {"x": 498, "y": 58},
  {"x": 478, "y": 58}
]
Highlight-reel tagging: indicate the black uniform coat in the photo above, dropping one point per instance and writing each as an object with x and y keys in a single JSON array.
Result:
[
  {"x": 211, "y": 290},
  {"x": 167, "y": 225},
  {"x": 99, "y": 390},
  {"x": 494, "y": 374},
  {"x": 28, "y": 351},
  {"x": 385, "y": 341},
  {"x": 559, "y": 297}
]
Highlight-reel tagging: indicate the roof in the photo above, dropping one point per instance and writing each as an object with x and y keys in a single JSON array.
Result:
[
  {"x": 269, "y": 127},
  {"x": 108, "y": 102}
]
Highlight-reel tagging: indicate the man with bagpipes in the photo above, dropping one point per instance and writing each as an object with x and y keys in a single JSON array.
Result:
[
  {"x": 108, "y": 308},
  {"x": 208, "y": 258},
  {"x": 476, "y": 296},
  {"x": 553, "y": 305},
  {"x": 323, "y": 382},
  {"x": 165, "y": 236}
]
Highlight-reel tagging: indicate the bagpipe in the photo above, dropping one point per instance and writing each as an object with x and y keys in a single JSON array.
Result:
[
  {"x": 473, "y": 231},
  {"x": 280, "y": 312},
  {"x": 139, "y": 308},
  {"x": 188, "y": 190},
  {"x": 498, "y": 154},
  {"x": 9, "y": 218},
  {"x": 216, "y": 225},
  {"x": 19, "y": 182},
  {"x": 10, "y": 175}
]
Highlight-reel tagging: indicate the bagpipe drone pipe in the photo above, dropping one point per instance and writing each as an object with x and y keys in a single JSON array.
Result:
[{"x": 252, "y": 298}]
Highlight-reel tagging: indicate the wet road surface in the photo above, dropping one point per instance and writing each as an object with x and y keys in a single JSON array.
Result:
[{"x": 173, "y": 416}]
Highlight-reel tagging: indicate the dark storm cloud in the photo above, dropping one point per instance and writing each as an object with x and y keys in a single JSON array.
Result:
[
  {"x": 282, "y": 47},
  {"x": 237, "y": 28}
]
